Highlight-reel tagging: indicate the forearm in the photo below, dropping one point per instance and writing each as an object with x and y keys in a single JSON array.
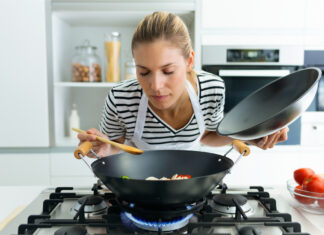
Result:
[
  {"x": 104, "y": 150},
  {"x": 111, "y": 150},
  {"x": 114, "y": 150},
  {"x": 213, "y": 139}
]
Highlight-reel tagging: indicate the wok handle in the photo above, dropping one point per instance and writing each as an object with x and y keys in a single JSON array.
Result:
[
  {"x": 83, "y": 149},
  {"x": 241, "y": 147}
]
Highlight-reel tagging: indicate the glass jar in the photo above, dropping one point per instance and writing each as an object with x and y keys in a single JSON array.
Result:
[
  {"x": 112, "y": 49},
  {"x": 130, "y": 69},
  {"x": 86, "y": 64}
]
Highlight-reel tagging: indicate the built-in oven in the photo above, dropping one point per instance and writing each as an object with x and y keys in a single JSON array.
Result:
[{"x": 245, "y": 69}]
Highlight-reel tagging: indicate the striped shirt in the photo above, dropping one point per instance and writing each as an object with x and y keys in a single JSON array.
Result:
[{"x": 122, "y": 103}]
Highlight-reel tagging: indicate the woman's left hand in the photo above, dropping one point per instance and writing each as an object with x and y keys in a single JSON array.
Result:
[{"x": 270, "y": 140}]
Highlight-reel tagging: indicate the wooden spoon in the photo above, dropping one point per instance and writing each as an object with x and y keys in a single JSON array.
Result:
[{"x": 124, "y": 147}]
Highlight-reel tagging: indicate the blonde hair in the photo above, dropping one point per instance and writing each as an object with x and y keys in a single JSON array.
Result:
[{"x": 165, "y": 26}]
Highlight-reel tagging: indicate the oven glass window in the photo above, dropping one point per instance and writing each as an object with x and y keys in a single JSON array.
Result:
[{"x": 237, "y": 88}]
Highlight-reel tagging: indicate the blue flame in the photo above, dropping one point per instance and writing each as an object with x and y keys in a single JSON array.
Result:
[{"x": 156, "y": 224}]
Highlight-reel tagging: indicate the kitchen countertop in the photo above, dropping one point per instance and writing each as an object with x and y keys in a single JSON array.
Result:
[
  {"x": 11, "y": 199},
  {"x": 310, "y": 223},
  {"x": 15, "y": 198}
]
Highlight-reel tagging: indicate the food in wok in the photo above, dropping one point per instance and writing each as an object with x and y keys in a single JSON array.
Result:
[{"x": 174, "y": 177}]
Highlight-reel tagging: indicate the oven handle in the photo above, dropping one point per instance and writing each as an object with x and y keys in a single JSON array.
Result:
[{"x": 253, "y": 72}]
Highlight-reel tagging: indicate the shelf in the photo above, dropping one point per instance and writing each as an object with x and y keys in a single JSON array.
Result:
[
  {"x": 85, "y": 84},
  {"x": 116, "y": 13}
]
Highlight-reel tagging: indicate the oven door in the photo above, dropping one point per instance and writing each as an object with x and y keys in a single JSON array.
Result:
[{"x": 240, "y": 81}]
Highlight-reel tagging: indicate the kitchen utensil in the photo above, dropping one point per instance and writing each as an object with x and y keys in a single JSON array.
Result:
[
  {"x": 315, "y": 200},
  {"x": 206, "y": 169},
  {"x": 272, "y": 107},
  {"x": 123, "y": 147}
]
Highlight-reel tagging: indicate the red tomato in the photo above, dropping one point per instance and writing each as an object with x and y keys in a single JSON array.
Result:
[
  {"x": 301, "y": 174},
  {"x": 188, "y": 176},
  {"x": 314, "y": 183},
  {"x": 302, "y": 199}
]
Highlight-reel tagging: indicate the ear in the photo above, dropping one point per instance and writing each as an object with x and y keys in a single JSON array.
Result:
[{"x": 190, "y": 61}]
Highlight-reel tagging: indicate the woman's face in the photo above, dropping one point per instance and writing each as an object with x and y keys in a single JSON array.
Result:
[{"x": 161, "y": 71}]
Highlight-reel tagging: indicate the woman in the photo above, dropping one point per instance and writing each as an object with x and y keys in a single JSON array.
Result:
[{"x": 169, "y": 106}]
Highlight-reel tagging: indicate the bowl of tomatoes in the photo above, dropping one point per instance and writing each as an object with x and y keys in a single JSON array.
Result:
[{"x": 307, "y": 188}]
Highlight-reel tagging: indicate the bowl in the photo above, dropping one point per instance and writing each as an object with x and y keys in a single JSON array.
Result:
[{"x": 308, "y": 201}]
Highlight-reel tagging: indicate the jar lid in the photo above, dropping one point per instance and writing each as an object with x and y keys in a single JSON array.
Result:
[
  {"x": 86, "y": 45},
  {"x": 115, "y": 34}
]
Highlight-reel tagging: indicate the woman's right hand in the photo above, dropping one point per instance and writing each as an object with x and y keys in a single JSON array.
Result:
[{"x": 100, "y": 148}]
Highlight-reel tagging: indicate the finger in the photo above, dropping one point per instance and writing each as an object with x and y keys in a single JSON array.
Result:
[
  {"x": 94, "y": 131},
  {"x": 262, "y": 142},
  {"x": 271, "y": 145},
  {"x": 271, "y": 138},
  {"x": 283, "y": 135},
  {"x": 98, "y": 144},
  {"x": 86, "y": 137}
]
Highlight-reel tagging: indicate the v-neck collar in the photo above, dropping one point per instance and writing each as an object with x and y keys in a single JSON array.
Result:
[
  {"x": 160, "y": 120},
  {"x": 175, "y": 131}
]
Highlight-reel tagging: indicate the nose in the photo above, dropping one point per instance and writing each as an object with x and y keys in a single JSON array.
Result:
[{"x": 157, "y": 82}]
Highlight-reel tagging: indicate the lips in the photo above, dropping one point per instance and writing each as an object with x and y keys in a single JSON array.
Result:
[{"x": 159, "y": 97}]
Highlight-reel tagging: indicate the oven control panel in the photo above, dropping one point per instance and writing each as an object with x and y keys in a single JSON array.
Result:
[{"x": 252, "y": 55}]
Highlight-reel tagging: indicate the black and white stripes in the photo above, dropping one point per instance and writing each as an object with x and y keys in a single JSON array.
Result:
[{"x": 121, "y": 107}]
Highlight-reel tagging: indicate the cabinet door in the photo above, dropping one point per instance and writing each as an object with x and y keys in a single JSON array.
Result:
[
  {"x": 253, "y": 14},
  {"x": 23, "y": 81}
]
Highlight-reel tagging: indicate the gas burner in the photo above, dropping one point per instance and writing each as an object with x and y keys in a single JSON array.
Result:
[
  {"x": 164, "y": 213},
  {"x": 151, "y": 225},
  {"x": 224, "y": 203},
  {"x": 94, "y": 204},
  {"x": 72, "y": 230}
]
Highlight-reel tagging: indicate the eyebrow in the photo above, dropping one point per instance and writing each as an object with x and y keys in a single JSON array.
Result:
[{"x": 166, "y": 65}]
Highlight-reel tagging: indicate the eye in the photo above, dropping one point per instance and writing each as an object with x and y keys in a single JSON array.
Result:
[
  {"x": 168, "y": 72},
  {"x": 144, "y": 74}
]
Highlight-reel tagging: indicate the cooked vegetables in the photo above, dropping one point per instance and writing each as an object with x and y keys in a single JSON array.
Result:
[{"x": 174, "y": 177}]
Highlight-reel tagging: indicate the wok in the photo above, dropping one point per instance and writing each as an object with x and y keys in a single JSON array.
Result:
[
  {"x": 206, "y": 169},
  {"x": 266, "y": 111},
  {"x": 272, "y": 107}
]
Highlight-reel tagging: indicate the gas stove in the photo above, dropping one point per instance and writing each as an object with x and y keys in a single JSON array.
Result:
[{"x": 97, "y": 211}]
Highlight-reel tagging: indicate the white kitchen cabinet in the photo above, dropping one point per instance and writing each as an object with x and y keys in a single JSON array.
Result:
[
  {"x": 312, "y": 129},
  {"x": 66, "y": 170},
  {"x": 252, "y": 14},
  {"x": 253, "y": 22},
  {"x": 24, "y": 168},
  {"x": 75, "y": 21},
  {"x": 314, "y": 27},
  {"x": 23, "y": 82},
  {"x": 314, "y": 17}
]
